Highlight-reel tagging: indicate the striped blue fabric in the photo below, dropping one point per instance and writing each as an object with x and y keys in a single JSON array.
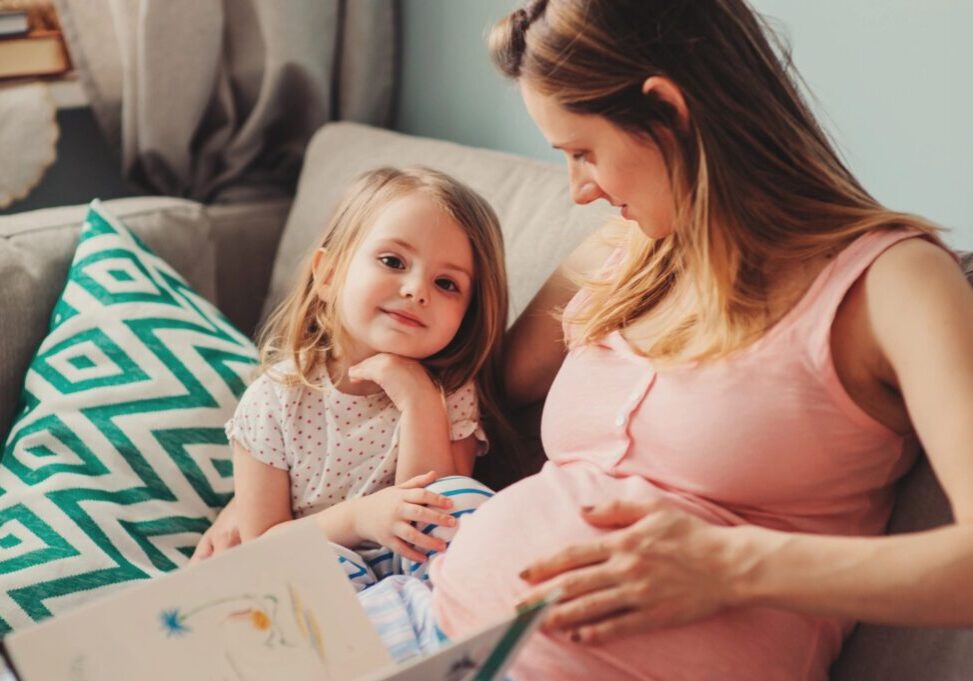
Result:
[{"x": 370, "y": 566}]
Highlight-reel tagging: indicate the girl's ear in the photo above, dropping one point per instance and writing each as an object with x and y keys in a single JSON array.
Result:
[
  {"x": 668, "y": 92},
  {"x": 323, "y": 272}
]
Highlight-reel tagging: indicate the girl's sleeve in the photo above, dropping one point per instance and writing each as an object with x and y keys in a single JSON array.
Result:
[
  {"x": 464, "y": 417},
  {"x": 258, "y": 423}
]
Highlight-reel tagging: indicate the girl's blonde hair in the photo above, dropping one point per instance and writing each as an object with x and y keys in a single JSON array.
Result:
[
  {"x": 757, "y": 185},
  {"x": 305, "y": 328}
]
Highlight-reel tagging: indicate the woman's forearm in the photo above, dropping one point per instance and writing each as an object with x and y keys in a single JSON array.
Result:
[
  {"x": 424, "y": 440},
  {"x": 918, "y": 579}
]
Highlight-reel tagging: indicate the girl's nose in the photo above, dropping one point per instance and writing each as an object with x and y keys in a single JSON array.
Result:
[{"x": 415, "y": 290}]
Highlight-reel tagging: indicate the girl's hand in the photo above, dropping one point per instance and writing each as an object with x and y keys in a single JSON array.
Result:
[
  {"x": 386, "y": 517},
  {"x": 223, "y": 534},
  {"x": 665, "y": 568},
  {"x": 404, "y": 380}
]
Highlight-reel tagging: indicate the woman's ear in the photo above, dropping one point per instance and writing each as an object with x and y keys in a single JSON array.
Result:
[
  {"x": 322, "y": 271},
  {"x": 668, "y": 92}
]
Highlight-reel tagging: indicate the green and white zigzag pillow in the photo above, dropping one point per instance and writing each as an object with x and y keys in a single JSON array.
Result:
[{"x": 117, "y": 460}]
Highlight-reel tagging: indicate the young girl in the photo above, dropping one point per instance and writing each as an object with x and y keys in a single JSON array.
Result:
[{"x": 373, "y": 371}]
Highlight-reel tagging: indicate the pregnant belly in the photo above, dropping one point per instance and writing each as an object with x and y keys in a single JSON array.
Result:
[{"x": 476, "y": 583}]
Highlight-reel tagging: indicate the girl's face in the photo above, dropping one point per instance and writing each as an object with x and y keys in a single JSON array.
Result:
[
  {"x": 408, "y": 284},
  {"x": 606, "y": 162}
]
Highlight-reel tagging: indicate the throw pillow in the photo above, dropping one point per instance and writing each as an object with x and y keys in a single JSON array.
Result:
[{"x": 117, "y": 460}]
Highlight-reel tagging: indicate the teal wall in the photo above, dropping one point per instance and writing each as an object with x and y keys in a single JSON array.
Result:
[{"x": 891, "y": 80}]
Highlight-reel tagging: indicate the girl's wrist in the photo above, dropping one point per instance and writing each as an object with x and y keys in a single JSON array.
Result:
[
  {"x": 422, "y": 399},
  {"x": 339, "y": 523}
]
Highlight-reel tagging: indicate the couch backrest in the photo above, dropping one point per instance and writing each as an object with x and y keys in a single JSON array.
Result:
[
  {"x": 36, "y": 248},
  {"x": 540, "y": 223}
]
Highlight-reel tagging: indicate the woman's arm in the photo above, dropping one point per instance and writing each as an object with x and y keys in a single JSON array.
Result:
[
  {"x": 919, "y": 308},
  {"x": 663, "y": 567},
  {"x": 535, "y": 343}
]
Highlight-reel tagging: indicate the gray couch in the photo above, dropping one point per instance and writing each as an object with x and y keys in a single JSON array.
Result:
[{"x": 242, "y": 257}]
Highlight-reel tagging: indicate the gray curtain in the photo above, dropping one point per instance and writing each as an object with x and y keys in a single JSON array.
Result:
[{"x": 215, "y": 100}]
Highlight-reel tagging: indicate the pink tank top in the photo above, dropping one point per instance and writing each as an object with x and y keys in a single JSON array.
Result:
[{"x": 767, "y": 436}]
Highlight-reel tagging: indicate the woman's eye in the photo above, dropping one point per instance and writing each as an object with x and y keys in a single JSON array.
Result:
[
  {"x": 579, "y": 156},
  {"x": 392, "y": 261},
  {"x": 447, "y": 285}
]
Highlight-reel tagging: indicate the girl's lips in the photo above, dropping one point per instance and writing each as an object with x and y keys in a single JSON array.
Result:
[{"x": 403, "y": 318}]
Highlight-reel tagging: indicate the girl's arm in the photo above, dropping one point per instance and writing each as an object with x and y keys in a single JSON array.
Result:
[
  {"x": 662, "y": 566},
  {"x": 424, "y": 443},
  {"x": 261, "y": 493},
  {"x": 535, "y": 343},
  {"x": 262, "y": 504}
]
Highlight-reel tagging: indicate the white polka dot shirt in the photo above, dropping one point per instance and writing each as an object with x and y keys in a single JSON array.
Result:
[{"x": 335, "y": 446}]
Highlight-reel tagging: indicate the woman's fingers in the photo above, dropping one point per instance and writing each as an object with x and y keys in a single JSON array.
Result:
[
  {"x": 619, "y": 512},
  {"x": 609, "y": 599},
  {"x": 575, "y": 583},
  {"x": 575, "y": 556},
  {"x": 612, "y": 628}
]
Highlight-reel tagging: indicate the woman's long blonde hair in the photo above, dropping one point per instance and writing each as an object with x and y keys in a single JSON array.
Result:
[
  {"x": 757, "y": 184},
  {"x": 305, "y": 327}
]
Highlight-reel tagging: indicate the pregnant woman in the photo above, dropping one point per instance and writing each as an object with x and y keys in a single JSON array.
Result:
[{"x": 748, "y": 361}]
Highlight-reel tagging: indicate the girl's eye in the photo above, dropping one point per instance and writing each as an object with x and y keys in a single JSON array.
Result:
[
  {"x": 447, "y": 285},
  {"x": 392, "y": 261}
]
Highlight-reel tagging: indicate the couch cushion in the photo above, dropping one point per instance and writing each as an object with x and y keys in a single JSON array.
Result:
[
  {"x": 540, "y": 223},
  {"x": 35, "y": 252},
  {"x": 117, "y": 460}
]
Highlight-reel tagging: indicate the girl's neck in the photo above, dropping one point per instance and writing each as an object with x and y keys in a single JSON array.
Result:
[{"x": 338, "y": 372}]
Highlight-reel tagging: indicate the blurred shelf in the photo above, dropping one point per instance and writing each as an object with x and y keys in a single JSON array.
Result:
[{"x": 66, "y": 90}]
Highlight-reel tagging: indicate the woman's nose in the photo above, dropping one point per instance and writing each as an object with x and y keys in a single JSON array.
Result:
[
  {"x": 585, "y": 192},
  {"x": 583, "y": 188}
]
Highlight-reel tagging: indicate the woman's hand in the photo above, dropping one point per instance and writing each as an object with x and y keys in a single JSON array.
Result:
[
  {"x": 665, "y": 568},
  {"x": 404, "y": 380},
  {"x": 387, "y": 516},
  {"x": 223, "y": 534}
]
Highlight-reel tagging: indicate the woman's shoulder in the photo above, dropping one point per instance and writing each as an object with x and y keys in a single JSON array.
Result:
[
  {"x": 601, "y": 250},
  {"x": 914, "y": 269}
]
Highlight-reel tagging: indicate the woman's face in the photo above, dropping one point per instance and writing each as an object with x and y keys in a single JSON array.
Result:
[{"x": 606, "y": 162}]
